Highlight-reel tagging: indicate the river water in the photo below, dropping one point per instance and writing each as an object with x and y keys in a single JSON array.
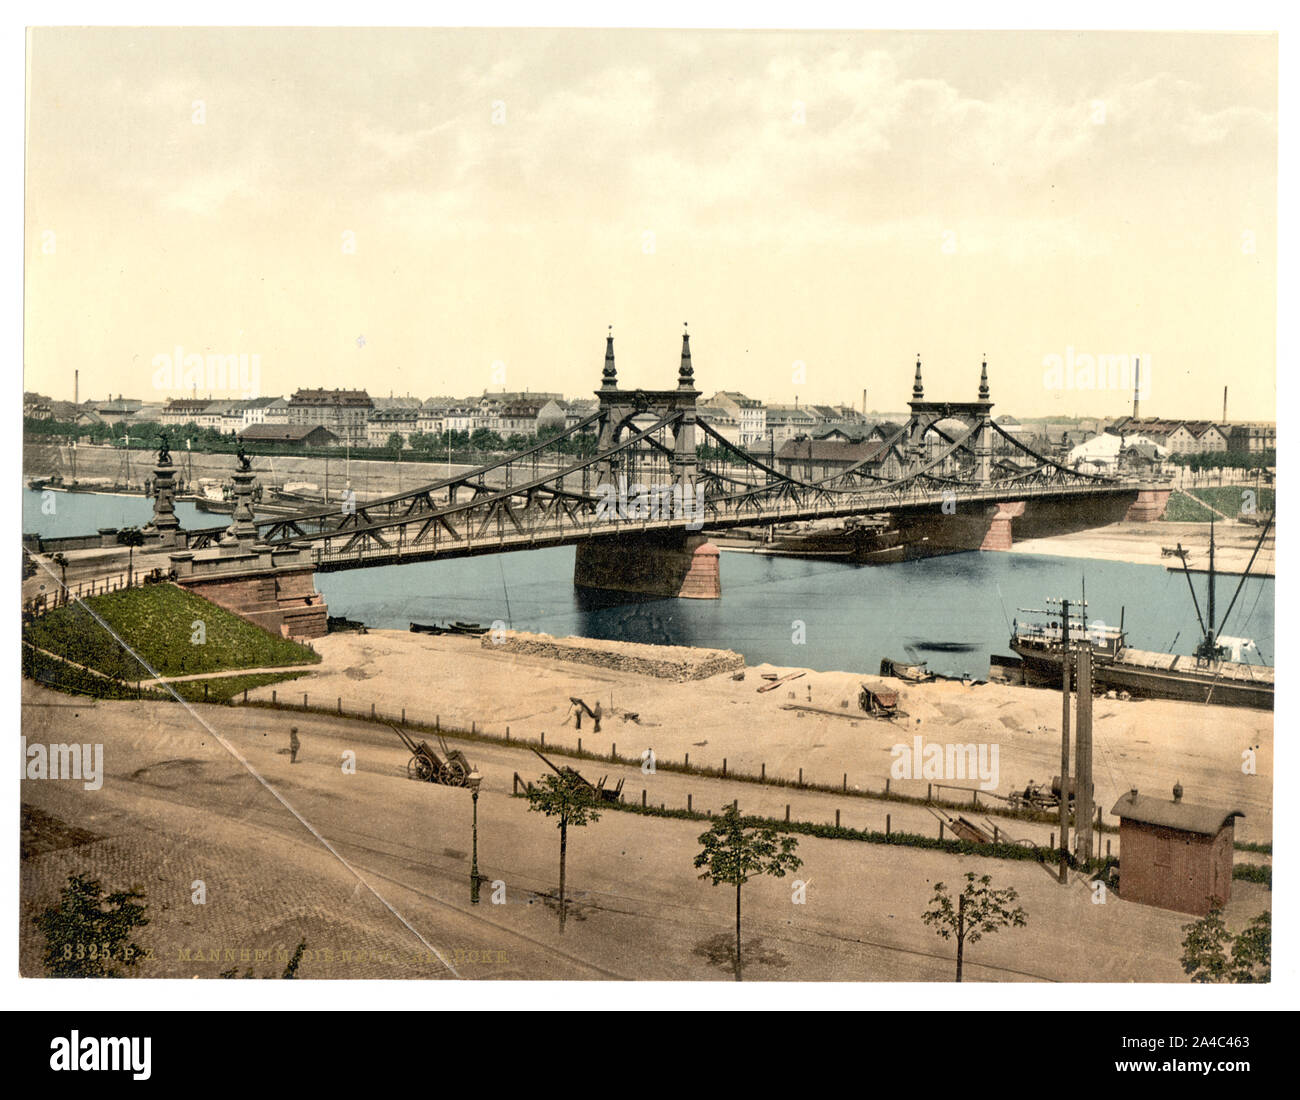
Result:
[{"x": 787, "y": 611}]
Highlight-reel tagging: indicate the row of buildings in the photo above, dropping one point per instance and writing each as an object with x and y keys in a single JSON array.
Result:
[{"x": 791, "y": 434}]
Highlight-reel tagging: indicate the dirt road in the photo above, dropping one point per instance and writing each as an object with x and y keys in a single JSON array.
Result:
[{"x": 178, "y": 807}]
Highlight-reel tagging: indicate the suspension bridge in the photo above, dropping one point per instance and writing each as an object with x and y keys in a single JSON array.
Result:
[{"x": 640, "y": 501}]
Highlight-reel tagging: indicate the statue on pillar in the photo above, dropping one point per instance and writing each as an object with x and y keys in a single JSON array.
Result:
[
  {"x": 164, "y": 526},
  {"x": 242, "y": 528}
]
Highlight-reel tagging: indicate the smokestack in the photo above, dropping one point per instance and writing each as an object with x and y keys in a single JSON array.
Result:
[
  {"x": 1225, "y": 404},
  {"x": 1137, "y": 375},
  {"x": 864, "y": 402},
  {"x": 76, "y": 387}
]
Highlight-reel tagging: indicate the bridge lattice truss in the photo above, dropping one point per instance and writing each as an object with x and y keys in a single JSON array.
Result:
[{"x": 615, "y": 472}]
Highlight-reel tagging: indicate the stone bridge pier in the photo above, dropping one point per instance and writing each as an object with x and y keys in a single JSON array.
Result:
[{"x": 654, "y": 563}]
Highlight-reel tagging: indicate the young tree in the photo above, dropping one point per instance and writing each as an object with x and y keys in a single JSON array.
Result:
[
  {"x": 86, "y": 932},
  {"x": 569, "y": 799},
  {"x": 733, "y": 853},
  {"x": 1203, "y": 949},
  {"x": 130, "y": 537},
  {"x": 980, "y": 910}
]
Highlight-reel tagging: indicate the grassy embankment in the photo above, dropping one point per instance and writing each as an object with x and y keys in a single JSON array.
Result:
[
  {"x": 161, "y": 623},
  {"x": 1186, "y": 507}
]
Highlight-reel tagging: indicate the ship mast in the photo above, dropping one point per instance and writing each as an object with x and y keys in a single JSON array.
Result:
[{"x": 1209, "y": 595}]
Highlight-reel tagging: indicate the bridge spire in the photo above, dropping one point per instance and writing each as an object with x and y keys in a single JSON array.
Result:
[
  {"x": 984, "y": 379},
  {"x": 609, "y": 376},
  {"x": 918, "y": 390},
  {"x": 686, "y": 373}
]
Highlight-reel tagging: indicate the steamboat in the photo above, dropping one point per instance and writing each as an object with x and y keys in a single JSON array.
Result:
[{"x": 1219, "y": 671}]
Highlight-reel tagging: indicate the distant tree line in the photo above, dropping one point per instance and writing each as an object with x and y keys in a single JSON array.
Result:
[
  {"x": 422, "y": 446},
  {"x": 1226, "y": 460}
]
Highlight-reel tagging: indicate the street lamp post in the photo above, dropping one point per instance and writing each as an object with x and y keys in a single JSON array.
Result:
[{"x": 474, "y": 781}]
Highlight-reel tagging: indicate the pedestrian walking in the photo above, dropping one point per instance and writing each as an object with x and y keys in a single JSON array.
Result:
[{"x": 294, "y": 744}]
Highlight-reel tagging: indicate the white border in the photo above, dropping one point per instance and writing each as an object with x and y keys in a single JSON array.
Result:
[{"x": 364, "y": 995}]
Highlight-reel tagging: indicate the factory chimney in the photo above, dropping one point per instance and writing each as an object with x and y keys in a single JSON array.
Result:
[
  {"x": 1225, "y": 404},
  {"x": 76, "y": 388},
  {"x": 1137, "y": 377}
]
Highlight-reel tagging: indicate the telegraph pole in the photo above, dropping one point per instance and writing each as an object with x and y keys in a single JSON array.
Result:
[
  {"x": 1083, "y": 759},
  {"x": 1065, "y": 739}
]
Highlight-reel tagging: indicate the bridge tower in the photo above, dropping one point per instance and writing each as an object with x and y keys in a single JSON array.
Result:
[
  {"x": 620, "y": 408},
  {"x": 977, "y": 414},
  {"x": 675, "y": 562}
]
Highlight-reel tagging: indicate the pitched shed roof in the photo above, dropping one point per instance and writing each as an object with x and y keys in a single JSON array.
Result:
[
  {"x": 285, "y": 433},
  {"x": 1184, "y": 816}
]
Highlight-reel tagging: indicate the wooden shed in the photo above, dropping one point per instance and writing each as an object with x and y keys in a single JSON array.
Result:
[{"x": 1174, "y": 855}]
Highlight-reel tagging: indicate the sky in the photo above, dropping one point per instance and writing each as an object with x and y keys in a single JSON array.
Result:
[{"x": 452, "y": 211}]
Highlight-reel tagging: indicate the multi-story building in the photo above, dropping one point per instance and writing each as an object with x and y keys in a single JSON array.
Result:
[
  {"x": 519, "y": 417},
  {"x": 721, "y": 419},
  {"x": 789, "y": 422},
  {"x": 750, "y": 415},
  {"x": 383, "y": 423},
  {"x": 346, "y": 413},
  {"x": 1177, "y": 436},
  {"x": 276, "y": 411},
  {"x": 184, "y": 410},
  {"x": 1252, "y": 437}
]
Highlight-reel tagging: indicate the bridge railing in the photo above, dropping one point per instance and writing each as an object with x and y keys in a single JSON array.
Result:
[{"x": 563, "y": 529}]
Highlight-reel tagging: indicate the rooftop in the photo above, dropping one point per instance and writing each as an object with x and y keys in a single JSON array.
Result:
[{"x": 1183, "y": 816}]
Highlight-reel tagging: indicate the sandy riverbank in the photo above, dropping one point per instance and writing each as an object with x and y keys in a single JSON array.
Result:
[
  {"x": 1142, "y": 543},
  {"x": 1149, "y": 744}
]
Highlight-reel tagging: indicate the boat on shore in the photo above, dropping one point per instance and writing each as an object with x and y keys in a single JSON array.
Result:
[
  {"x": 1215, "y": 673},
  {"x": 473, "y": 630}
]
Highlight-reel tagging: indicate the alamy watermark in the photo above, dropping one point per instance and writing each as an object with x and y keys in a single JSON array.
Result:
[
  {"x": 1077, "y": 370},
  {"x": 81, "y": 762},
  {"x": 179, "y": 372},
  {"x": 638, "y": 502},
  {"x": 946, "y": 761}
]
